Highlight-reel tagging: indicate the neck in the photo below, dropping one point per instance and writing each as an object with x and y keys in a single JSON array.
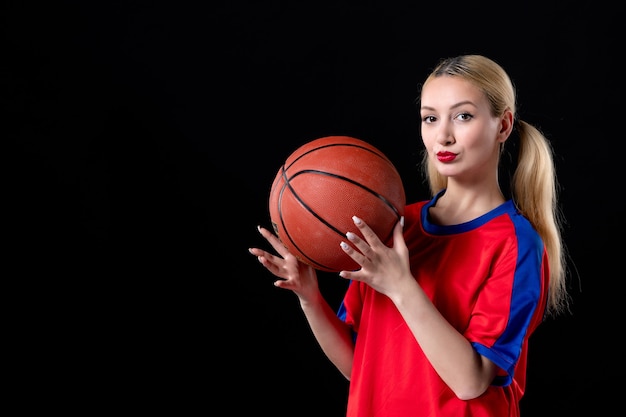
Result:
[{"x": 460, "y": 204}]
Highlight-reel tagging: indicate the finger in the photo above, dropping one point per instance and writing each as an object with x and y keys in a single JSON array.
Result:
[
  {"x": 398, "y": 231},
  {"x": 256, "y": 251},
  {"x": 273, "y": 240},
  {"x": 270, "y": 262},
  {"x": 359, "y": 243},
  {"x": 367, "y": 232},
  {"x": 357, "y": 256}
]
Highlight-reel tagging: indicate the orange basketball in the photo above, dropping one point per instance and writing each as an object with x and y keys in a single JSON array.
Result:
[{"x": 321, "y": 185}]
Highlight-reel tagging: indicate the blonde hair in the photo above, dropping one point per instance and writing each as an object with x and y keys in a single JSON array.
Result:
[{"x": 534, "y": 183}]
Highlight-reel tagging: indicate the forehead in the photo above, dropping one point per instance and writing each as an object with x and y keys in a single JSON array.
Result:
[{"x": 446, "y": 91}]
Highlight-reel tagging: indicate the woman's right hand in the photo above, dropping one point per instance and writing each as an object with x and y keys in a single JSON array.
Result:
[{"x": 294, "y": 275}]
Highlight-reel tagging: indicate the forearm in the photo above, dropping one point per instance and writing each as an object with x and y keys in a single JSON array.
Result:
[
  {"x": 332, "y": 334},
  {"x": 452, "y": 356}
]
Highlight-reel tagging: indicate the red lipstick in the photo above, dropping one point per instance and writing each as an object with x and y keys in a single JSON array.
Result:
[{"x": 446, "y": 156}]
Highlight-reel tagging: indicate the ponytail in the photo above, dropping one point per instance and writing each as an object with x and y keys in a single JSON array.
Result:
[{"x": 535, "y": 191}]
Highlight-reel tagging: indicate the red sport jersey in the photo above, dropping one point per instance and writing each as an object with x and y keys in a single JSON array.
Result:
[{"x": 489, "y": 278}]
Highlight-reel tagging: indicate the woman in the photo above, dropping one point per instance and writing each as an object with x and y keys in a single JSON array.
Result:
[{"x": 438, "y": 324}]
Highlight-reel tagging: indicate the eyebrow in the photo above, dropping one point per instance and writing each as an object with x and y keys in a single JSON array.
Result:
[{"x": 459, "y": 104}]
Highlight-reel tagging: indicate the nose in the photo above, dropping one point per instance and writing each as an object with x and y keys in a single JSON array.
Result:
[{"x": 444, "y": 135}]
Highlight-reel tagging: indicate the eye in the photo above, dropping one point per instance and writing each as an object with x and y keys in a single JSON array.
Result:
[
  {"x": 464, "y": 116},
  {"x": 429, "y": 119}
]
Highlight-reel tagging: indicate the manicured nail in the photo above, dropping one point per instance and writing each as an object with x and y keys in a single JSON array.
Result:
[
  {"x": 350, "y": 235},
  {"x": 344, "y": 245},
  {"x": 356, "y": 220},
  {"x": 402, "y": 221}
]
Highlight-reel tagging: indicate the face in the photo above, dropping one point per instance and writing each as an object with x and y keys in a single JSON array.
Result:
[{"x": 460, "y": 134}]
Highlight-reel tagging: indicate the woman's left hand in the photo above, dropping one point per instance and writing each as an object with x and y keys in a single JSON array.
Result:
[{"x": 383, "y": 268}]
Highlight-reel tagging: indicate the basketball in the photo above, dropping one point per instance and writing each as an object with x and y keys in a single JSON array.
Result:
[{"x": 318, "y": 189}]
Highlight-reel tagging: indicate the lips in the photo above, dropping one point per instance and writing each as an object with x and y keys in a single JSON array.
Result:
[{"x": 446, "y": 156}]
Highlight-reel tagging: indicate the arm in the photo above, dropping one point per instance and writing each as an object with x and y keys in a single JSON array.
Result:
[
  {"x": 466, "y": 372},
  {"x": 332, "y": 334},
  {"x": 387, "y": 270}
]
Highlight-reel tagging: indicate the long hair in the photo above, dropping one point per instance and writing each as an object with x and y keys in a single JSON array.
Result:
[{"x": 534, "y": 184}]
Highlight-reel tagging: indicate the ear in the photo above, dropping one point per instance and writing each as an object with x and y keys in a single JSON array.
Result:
[{"x": 506, "y": 125}]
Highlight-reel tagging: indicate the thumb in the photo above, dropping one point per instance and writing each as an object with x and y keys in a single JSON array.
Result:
[{"x": 398, "y": 231}]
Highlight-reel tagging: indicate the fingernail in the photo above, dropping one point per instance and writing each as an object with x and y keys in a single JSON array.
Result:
[
  {"x": 344, "y": 245},
  {"x": 402, "y": 221},
  {"x": 356, "y": 220},
  {"x": 350, "y": 235}
]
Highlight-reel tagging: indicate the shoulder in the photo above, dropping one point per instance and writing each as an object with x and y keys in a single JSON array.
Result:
[
  {"x": 415, "y": 207},
  {"x": 524, "y": 230},
  {"x": 413, "y": 213}
]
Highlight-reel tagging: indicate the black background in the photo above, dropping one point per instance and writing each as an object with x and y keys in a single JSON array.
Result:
[{"x": 144, "y": 137}]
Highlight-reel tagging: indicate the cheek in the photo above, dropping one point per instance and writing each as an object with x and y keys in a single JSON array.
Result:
[
  {"x": 427, "y": 139},
  {"x": 484, "y": 150},
  {"x": 483, "y": 140}
]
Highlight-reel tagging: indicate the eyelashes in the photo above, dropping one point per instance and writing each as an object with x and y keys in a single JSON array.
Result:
[{"x": 464, "y": 116}]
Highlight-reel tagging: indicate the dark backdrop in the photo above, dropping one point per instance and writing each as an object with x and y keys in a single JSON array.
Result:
[{"x": 144, "y": 137}]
